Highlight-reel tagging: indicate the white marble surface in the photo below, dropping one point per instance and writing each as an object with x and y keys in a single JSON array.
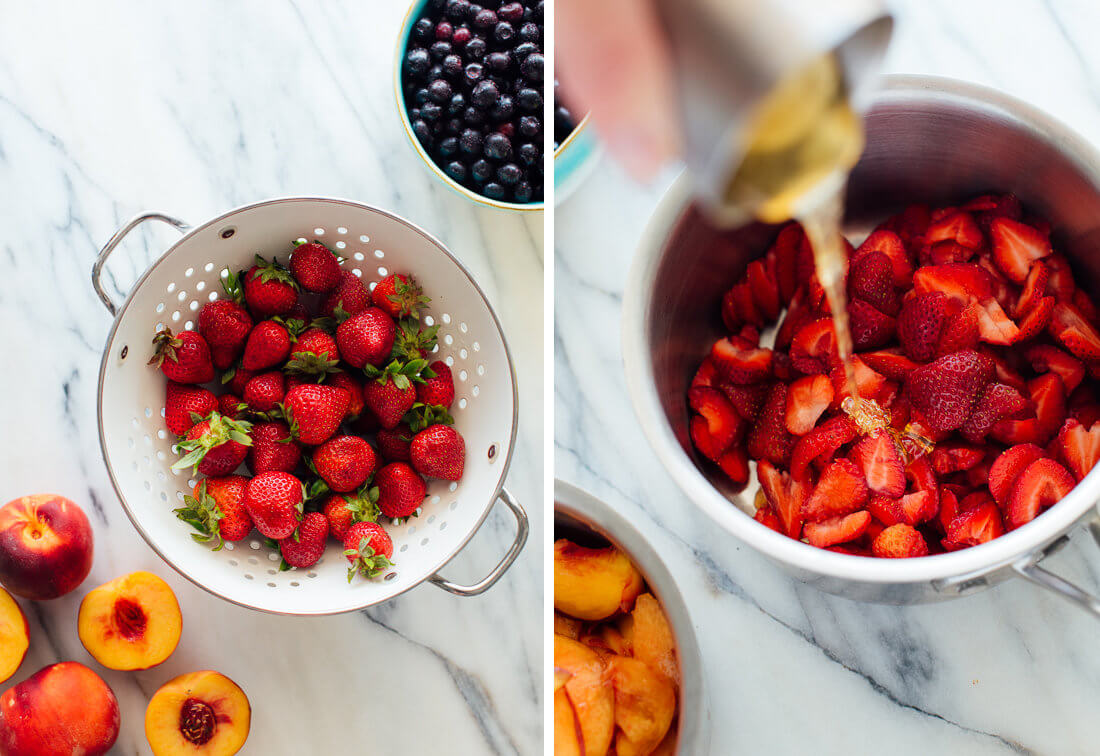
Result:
[
  {"x": 793, "y": 671},
  {"x": 108, "y": 109}
]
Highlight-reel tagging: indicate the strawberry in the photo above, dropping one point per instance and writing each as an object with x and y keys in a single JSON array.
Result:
[
  {"x": 946, "y": 390},
  {"x": 870, "y": 329},
  {"x": 1035, "y": 286},
  {"x": 840, "y": 491},
  {"x": 769, "y": 519},
  {"x": 807, "y": 399},
  {"x": 268, "y": 346},
  {"x": 344, "y": 510},
  {"x": 880, "y": 461},
  {"x": 235, "y": 379},
  {"x": 735, "y": 464},
  {"x": 799, "y": 313},
  {"x": 215, "y": 446},
  {"x": 920, "y": 323},
  {"x": 438, "y": 451},
  {"x": 961, "y": 282},
  {"x": 225, "y": 323},
  {"x": 748, "y": 400},
  {"x": 899, "y": 541},
  {"x": 232, "y": 406},
  {"x": 1035, "y": 320},
  {"x": 786, "y": 496},
  {"x": 785, "y": 251},
  {"x": 1080, "y": 448},
  {"x": 910, "y": 224},
  {"x": 315, "y": 412},
  {"x": 368, "y": 548},
  {"x": 1044, "y": 358},
  {"x": 1016, "y": 246},
  {"x": 706, "y": 375},
  {"x": 723, "y": 428},
  {"x": 306, "y": 546},
  {"x": 184, "y": 358},
  {"x": 274, "y": 501},
  {"x": 395, "y": 444},
  {"x": 399, "y": 296},
  {"x": 890, "y": 363},
  {"x": 1060, "y": 283},
  {"x": 994, "y": 326},
  {"x": 814, "y": 346},
  {"x": 315, "y": 266},
  {"x": 1007, "y": 468},
  {"x": 738, "y": 361},
  {"x": 350, "y": 296},
  {"x": 344, "y": 462},
  {"x": 871, "y": 280},
  {"x": 738, "y": 307},
  {"x": 890, "y": 244},
  {"x": 840, "y": 529},
  {"x": 313, "y": 353},
  {"x": 401, "y": 490},
  {"x": 1042, "y": 484},
  {"x": 973, "y": 527},
  {"x": 439, "y": 390},
  {"x": 366, "y": 338},
  {"x": 761, "y": 278},
  {"x": 185, "y": 405},
  {"x": 989, "y": 207},
  {"x": 216, "y": 510},
  {"x": 957, "y": 226},
  {"x": 962, "y": 330},
  {"x": 264, "y": 392},
  {"x": 953, "y": 457},
  {"x": 821, "y": 443},
  {"x": 997, "y": 402},
  {"x": 269, "y": 289},
  {"x": 1076, "y": 334},
  {"x": 389, "y": 398},
  {"x": 769, "y": 439},
  {"x": 273, "y": 449},
  {"x": 350, "y": 384}
]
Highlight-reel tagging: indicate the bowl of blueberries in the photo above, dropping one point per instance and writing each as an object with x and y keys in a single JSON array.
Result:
[
  {"x": 575, "y": 148},
  {"x": 469, "y": 83}
]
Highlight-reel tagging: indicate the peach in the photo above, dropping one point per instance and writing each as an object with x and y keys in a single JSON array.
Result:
[
  {"x": 652, "y": 639},
  {"x": 132, "y": 622},
  {"x": 588, "y": 691},
  {"x": 593, "y": 584},
  {"x": 45, "y": 546},
  {"x": 566, "y": 735},
  {"x": 15, "y": 635},
  {"x": 198, "y": 713},
  {"x": 61, "y": 710},
  {"x": 567, "y": 626},
  {"x": 645, "y": 702}
]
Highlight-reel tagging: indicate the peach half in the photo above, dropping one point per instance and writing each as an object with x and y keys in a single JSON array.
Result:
[
  {"x": 593, "y": 584},
  {"x": 198, "y": 713},
  {"x": 132, "y": 622},
  {"x": 15, "y": 636}
]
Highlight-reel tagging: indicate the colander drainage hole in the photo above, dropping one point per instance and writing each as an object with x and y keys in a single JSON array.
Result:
[
  {"x": 232, "y": 562},
  {"x": 273, "y": 557},
  {"x": 229, "y": 546},
  {"x": 294, "y": 584},
  {"x": 254, "y": 545},
  {"x": 391, "y": 576},
  {"x": 270, "y": 585},
  {"x": 227, "y": 233},
  {"x": 272, "y": 572},
  {"x": 404, "y": 548},
  {"x": 125, "y": 351},
  {"x": 248, "y": 576},
  {"x": 311, "y": 574},
  {"x": 423, "y": 541}
]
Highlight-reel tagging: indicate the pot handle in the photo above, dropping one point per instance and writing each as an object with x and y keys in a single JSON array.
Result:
[
  {"x": 1029, "y": 568},
  {"x": 522, "y": 528},
  {"x": 114, "y": 241}
]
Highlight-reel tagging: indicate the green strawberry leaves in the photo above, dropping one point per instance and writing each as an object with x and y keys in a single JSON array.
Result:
[
  {"x": 220, "y": 429},
  {"x": 402, "y": 373},
  {"x": 421, "y": 415},
  {"x": 273, "y": 271},
  {"x": 165, "y": 344},
  {"x": 203, "y": 514},
  {"x": 366, "y": 562},
  {"x": 231, "y": 282},
  {"x": 409, "y": 297},
  {"x": 313, "y": 365},
  {"x": 410, "y": 342}
]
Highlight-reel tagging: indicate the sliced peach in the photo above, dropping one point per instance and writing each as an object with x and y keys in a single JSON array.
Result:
[
  {"x": 645, "y": 702},
  {"x": 15, "y": 635},
  {"x": 589, "y": 692},
  {"x": 198, "y": 713},
  {"x": 593, "y": 584},
  {"x": 605, "y": 639},
  {"x": 667, "y": 746},
  {"x": 132, "y": 622},
  {"x": 653, "y": 642},
  {"x": 566, "y": 734},
  {"x": 570, "y": 627}
]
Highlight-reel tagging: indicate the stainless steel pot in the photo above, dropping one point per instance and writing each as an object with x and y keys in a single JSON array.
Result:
[
  {"x": 928, "y": 139},
  {"x": 575, "y": 510}
]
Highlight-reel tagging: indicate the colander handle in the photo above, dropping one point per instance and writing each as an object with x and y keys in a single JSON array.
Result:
[
  {"x": 1029, "y": 568},
  {"x": 522, "y": 528},
  {"x": 114, "y": 241}
]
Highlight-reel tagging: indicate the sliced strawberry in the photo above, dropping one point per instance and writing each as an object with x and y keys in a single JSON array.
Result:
[
  {"x": 870, "y": 329},
  {"x": 923, "y": 478},
  {"x": 837, "y": 529},
  {"x": 890, "y": 363},
  {"x": 782, "y": 369},
  {"x": 994, "y": 326},
  {"x": 899, "y": 542},
  {"x": 961, "y": 330},
  {"x": 1008, "y": 466},
  {"x": 889, "y": 244},
  {"x": 871, "y": 280},
  {"x": 1060, "y": 283},
  {"x": 973, "y": 527},
  {"x": 821, "y": 443},
  {"x": 1070, "y": 328},
  {"x": 946, "y": 252},
  {"x": 1084, "y": 304},
  {"x": 945, "y": 391},
  {"x": 958, "y": 226},
  {"x": 949, "y": 508},
  {"x": 1086, "y": 414},
  {"x": 885, "y": 509},
  {"x": 879, "y": 460},
  {"x": 735, "y": 464},
  {"x": 1042, "y": 484},
  {"x": 814, "y": 346},
  {"x": 997, "y": 402},
  {"x": 1035, "y": 320},
  {"x": 963, "y": 282},
  {"x": 769, "y": 438},
  {"x": 840, "y": 491},
  {"x": 1004, "y": 291},
  {"x": 724, "y": 425},
  {"x": 751, "y": 334},
  {"x": 910, "y": 225},
  {"x": 1035, "y": 286},
  {"x": 1016, "y": 246},
  {"x": 738, "y": 361},
  {"x": 799, "y": 313},
  {"x": 785, "y": 249},
  {"x": 765, "y": 290},
  {"x": 769, "y": 519},
  {"x": 706, "y": 375},
  {"x": 869, "y": 383},
  {"x": 807, "y": 399},
  {"x": 1080, "y": 448},
  {"x": 920, "y": 323},
  {"x": 991, "y": 206},
  {"x": 953, "y": 457},
  {"x": 747, "y": 400},
  {"x": 785, "y": 495},
  {"x": 1049, "y": 396},
  {"x": 702, "y": 440}
]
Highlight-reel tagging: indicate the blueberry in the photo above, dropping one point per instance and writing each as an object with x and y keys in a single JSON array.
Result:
[
  {"x": 423, "y": 30},
  {"x": 452, "y": 65},
  {"x": 421, "y": 96},
  {"x": 430, "y": 111},
  {"x": 485, "y": 19},
  {"x": 448, "y": 146},
  {"x": 439, "y": 91},
  {"x": 511, "y": 11},
  {"x": 414, "y": 113},
  {"x": 470, "y": 142},
  {"x": 440, "y": 50},
  {"x": 481, "y": 170},
  {"x": 456, "y": 170},
  {"x": 498, "y": 61},
  {"x": 423, "y": 132},
  {"x": 476, "y": 48},
  {"x": 474, "y": 73},
  {"x": 485, "y": 94},
  {"x": 473, "y": 11},
  {"x": 456, "y": 105},
  {"x": 529, "y": 99},
  {"x": 522, "y": 192},
  {"x": 529, "y": 32},
  {"x": 509, "y": 174},
  {"x": 444, "y": 30},
  {"x": 473, "y": 116},
  {"x": 461, "y": 36},
  {"x": 523, "y": 49},
  {"x": 529, "y": 153},
  {"x": 532, "y": 66},
  {"x": 495, "y": 191},
  {"x": 418, "y": 60},
  {"x": 504, "y": 109},
  {"x": 529, "y": 126},
  {"x": 504, "y": 32},
  {"x": 457, "y": 9},
  {"x": 497, "y": 146},
  {"x": 435, "y": 72},
  {"x": 455, "y": 126}
]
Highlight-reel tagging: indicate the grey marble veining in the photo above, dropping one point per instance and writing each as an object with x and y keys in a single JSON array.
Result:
[
  {"x": 791, "y": 670},
  {"x": 109, "y": 109}
]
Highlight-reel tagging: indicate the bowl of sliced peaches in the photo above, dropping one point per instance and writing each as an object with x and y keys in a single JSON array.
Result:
[{"x": 627, "y": 671}]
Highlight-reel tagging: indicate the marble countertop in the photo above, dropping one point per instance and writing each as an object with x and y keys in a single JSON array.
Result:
[
  {"x": 790, "y": 670},
  {"x": 110, "y": 109}
]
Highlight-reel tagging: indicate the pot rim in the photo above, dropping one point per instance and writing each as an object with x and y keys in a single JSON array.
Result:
[{"x": 1010, "y": 548}]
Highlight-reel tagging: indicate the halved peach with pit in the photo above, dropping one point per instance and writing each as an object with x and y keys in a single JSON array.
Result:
[
  {"x": 132, "y": 622},
  {"x": 198, "y": 713},
  {"x": 15, "y": 635}
]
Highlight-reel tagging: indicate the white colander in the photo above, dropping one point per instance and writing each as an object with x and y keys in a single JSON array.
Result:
[{"x": 138, "y": 448}]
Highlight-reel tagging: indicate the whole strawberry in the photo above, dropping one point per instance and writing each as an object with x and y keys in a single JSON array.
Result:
[
  {"x": 348, "y": 383},
  {"x": 366, "y": 338},
  {"x": 399, "y": 296},
  {"x": 350, "y": 296},
  {"x": 308, "y": 545},
  {"x": 313, "y": 354},
  {"x": 269, "y": 289},
  {"x": 344, "y": 510},
  {"x": 264, "y": 392},
  {"x": 438, "y": 390},
  {"x": 235, "y": 379},
  {"x": 400, "y": 489},
  {"x": 268, "y": 345},
  {"x": 216, "y": 510},
  {"x": 297, "y": 320},
  {"x": 315, "y": 267},
  {"x": 273, "y": 449},
  {"x": 215, "y": 446},
  {"x": 274, "y": 501},
  {"x": 344, "y": 462},
  {"x": 369, "y": 549},
  {"x": 388, "y": 400},
  {"x": 232, "y": 406},
  {"x": 315, "y": 411},
  {"x": 395, "y": 445},
  {"x": 225, "y": 324},
  {"x": 438, "y": 451},
  {"x": 184, "y": 358},
  {"x": 185, "y": 405}
]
